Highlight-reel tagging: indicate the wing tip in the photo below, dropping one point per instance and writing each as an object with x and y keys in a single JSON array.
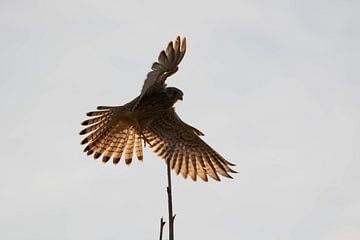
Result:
[
  {"x": 82, "y": 132},
  {"x": 183, "y": 45},
  {"x": 233, "y": 171},
  {"x": 230, "y": 164},
  {"x": 84, "y": 141},
  {"x": 103, "y": 107}
]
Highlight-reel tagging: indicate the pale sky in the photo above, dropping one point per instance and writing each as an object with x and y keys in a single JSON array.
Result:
[{"x": 274, "y": 85}]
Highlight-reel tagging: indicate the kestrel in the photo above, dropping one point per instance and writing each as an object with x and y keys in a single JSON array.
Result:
[{"x": 151, "y": 117}]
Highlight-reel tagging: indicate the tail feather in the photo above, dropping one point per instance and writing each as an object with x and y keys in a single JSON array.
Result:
[
  {"x": 138, "y": 147},
  {"x": 106, "y": 142},
  {"x": 130, "y": 147},
  {"x": 111, "y": 149},
  {"x": 121, "y": 146}
]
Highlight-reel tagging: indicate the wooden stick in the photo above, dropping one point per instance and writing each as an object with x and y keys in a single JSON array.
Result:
[
  {"x": 162, "y": 223},
  {"x": 170, "y": 207}
]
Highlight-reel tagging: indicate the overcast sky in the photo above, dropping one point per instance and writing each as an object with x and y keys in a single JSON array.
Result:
[{"x": 274, "y": 85}]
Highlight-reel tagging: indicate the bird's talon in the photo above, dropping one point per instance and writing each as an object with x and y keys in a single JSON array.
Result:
[{"x": 145, "y": 140}]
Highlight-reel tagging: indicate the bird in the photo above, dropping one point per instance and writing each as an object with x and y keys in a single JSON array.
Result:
[{"x": 150, "y": 119}]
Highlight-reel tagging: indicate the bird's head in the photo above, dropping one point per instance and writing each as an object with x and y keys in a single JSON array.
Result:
[{"x": 174, "y": 94}]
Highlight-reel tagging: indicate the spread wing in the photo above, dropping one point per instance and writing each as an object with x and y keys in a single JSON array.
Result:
[
  {"x": 180, "y": 145},
  {"x": 110, "y": 134},
  {"x": 167, "y": 64}
]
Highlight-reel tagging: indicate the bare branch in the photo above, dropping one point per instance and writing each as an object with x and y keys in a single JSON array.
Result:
[
  {"x": 162, "y": 223},
  {"x": 170, "y": 208}
]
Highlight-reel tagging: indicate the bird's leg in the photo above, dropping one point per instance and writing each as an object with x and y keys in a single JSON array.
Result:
[
  {"x": 142, "y": 135},
  {"x": 145, "y": 139}
]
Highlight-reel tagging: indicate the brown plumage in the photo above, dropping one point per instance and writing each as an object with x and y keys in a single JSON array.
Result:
[{"x": 114, "y": 131}]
